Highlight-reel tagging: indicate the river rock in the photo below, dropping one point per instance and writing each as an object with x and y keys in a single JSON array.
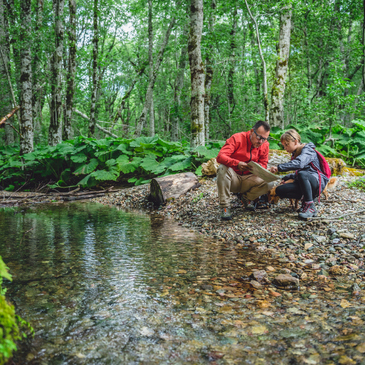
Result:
[
  {"x": 285, "y": 281},
  {"x": 346, "y": 235},
  {"x": 338, "y": 270},
  {"x": 259, "y": 275}
]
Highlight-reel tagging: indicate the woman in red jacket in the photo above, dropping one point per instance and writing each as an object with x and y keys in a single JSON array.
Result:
[{"x": 233, "y": 174}]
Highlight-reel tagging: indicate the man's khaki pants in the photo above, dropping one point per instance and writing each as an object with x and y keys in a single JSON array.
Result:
[{"x": 228, "y": 181}]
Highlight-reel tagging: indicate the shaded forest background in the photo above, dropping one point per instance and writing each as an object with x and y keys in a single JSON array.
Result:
[{"x": 80, "y": 65}]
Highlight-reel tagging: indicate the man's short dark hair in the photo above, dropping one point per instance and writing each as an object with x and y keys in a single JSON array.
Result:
[{"x": 262, "y": 123}]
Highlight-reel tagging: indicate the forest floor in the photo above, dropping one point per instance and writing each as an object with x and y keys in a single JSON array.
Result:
[{"x": 304, "y": 271}]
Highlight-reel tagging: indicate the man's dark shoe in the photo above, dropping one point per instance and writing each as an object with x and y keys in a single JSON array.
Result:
[
  {"x": 226, "y": 214},
  {"x": 262, "y": 202},
  {"x": 248, "y": 204},
  {"x": 308, "y": 211}
]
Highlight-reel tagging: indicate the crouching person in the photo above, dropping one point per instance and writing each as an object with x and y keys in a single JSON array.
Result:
[{"x": 233, "y": 173}]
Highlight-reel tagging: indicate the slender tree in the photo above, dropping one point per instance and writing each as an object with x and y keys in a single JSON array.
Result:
[
  {"x": 5, "y": 102},
  {"x": 71, "y": 71},
  {"x": 150, "y": 61},
  {"x": 151, "y": 83},
  {"x": 95, "y": 72},
  {"x": 264, "y": 74},
  {"x": 26, "y": 120},
  {"x": 283, "y": 50},
  {"x": 209, "y": 71},
  {"x": 55, "y": 127},
  {"x": 197, "y": 74}
]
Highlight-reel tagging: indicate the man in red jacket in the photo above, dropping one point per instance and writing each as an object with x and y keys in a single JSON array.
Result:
[{"x": 234, "y": 175}]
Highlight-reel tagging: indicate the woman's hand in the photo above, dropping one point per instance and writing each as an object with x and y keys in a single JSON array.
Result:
[{"x": 274, "y": 169}]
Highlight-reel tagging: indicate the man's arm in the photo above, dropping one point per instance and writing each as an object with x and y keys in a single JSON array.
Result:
[
  {"x": 264, "y": 155},
  {"x": 224, "y": 155}
]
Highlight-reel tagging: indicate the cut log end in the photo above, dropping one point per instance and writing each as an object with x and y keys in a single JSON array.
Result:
[{"x": 171, "y": 187}]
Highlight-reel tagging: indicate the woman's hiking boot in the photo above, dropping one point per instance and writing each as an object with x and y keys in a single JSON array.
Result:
[
  {"x": 308, "y": 211},
  {"x": 226, "y": 214}
]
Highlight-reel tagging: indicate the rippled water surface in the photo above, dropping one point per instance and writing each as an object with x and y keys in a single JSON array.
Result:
[{"x": 103, "y": 286}]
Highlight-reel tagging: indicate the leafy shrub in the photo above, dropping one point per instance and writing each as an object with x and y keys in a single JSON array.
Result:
[
  {"x": 359, "y": 183},
  {"x": 12, "y": 327},
  {"x": 87, "y": 161}
]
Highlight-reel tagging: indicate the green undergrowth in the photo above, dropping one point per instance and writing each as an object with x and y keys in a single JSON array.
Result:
[
  {"x": 339, "y": 142},
  {"x": 12, "y": 327},
  {"x": 88, "y": 162}
]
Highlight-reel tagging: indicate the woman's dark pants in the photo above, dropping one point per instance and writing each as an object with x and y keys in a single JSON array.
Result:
[{"x": 305, "y": 185}]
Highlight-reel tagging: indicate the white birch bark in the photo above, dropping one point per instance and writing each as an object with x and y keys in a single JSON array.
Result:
[
  {"x": 179, "y": 83},
  {"x": 5, "y": 101},
  {"x": 151, "y": 84},
  {"x": 278, "y": 88},
  {"x": 264, "y": 82},
  {"x": 37, "y": 88},
  {"x": 55, "y": 127},
  {"x": 197, "y": 74},
  {"x": 209, "y": 71},
  {"x": 71, "y": 72},
  {"x": 26, "y": 120},
  {"x": 150, "y": 61},
  {"x": 95, "y": 70}
]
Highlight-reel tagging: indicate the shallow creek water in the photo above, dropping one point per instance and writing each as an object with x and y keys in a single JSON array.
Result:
[{"x": 104, "y": 286}]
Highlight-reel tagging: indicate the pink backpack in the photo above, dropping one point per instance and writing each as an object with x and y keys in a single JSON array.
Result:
[{"x": 325, "y": 170}]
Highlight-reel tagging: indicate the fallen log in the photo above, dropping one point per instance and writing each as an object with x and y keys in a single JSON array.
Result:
[{"x": 163, "y": 189}]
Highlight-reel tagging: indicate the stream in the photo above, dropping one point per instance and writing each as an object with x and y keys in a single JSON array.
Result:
[{"x": 101, "y": 285}]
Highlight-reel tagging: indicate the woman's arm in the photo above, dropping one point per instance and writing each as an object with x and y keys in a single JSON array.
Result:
[{"x": 305, "y": 158}]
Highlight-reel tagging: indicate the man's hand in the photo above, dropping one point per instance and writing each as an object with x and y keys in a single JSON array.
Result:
[
  {"x": 273, "y": 169},
  {"x": 242, "y": 166}
]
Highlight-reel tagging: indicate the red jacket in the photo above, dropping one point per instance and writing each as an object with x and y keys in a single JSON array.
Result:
[{"x": 239, "y": 148}]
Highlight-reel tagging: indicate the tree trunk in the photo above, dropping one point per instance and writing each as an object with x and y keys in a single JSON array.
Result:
[
  {"x": 5, "y": 101},
  {"x": 363, "y": 47},
  {"x": 26, "y": 120},
  {"x": 264, "y": 82},
  {"x": 179, "y": 83},
  {"x": 163, "y": 189},
  {"x": 70, "y": 88},
  {"x": 232, "y": 65},
  {"x": 55, "y": 127},
  {"x": 36, "y": 70},
  {"x": 151, "y": 83},
  {"x": 197, "y": 74},
  {"x": 95, "y": 70},
  {"x": 278, "y": 88},
  {"x": 209, "y": 72},
  {"x": 150, "y": 61}
]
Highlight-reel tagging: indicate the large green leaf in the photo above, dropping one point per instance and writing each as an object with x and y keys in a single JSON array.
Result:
[
  {"x": 359, "y": 123},
  {"x": 149, "y": 163},
  {"x": 146, "y": 142},
  {"x": 181, "y": 166},
  {"x": 131, "y": 166},
  {"x": 4, "y": 270},
  {"x": 208, "y": 154},
  {"x": 81, "y": 157},
  {"x": 104, "y": 175},
  {"x": 87, "y": 168},
  {"x": 124, "y": 148}
]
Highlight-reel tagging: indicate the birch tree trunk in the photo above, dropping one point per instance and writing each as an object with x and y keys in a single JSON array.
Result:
[
  {"x": 264, "y": 74},
  {"x": 95, "y": 70},
  {"x": 209, "y": 71},
  {"x": 150, "y": 61},
  {"x": 37, "y": 88},
  {"x": 151, "y": 83},
  {"x": 179, "y": 83},
  {"x": 5, "y": 101},
  {"x": 232, "y": 64},
  {"x": 70, "y": 88},
  {"x": 278, "y": 88},
  {"x": 196, "y": 74},
  {"x": 55, "y": 127},
  {"x": 26, "y": 120}
]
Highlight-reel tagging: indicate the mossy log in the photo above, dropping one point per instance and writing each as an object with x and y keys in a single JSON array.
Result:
[{"x": 163, "y": 189}]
